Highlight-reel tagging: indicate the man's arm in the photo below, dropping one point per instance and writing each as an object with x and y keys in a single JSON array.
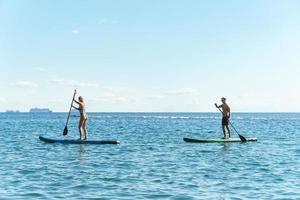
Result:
[{"x": 220, "y": 106}]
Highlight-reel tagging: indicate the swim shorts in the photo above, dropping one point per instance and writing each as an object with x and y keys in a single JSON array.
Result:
[{"x": 225, "y": 121}]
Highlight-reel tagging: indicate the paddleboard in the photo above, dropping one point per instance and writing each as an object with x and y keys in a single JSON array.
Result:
[
  {"x": 208, "y": 140},
  {"x": 48, "y": 140}
]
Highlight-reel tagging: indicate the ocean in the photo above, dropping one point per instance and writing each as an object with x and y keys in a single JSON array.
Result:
[{"x": 152, "y": 161}]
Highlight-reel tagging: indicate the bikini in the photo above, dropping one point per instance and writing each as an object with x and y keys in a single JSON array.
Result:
[{"x": 82, "y": 112}]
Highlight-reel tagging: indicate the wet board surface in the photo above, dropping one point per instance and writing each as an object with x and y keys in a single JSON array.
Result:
[
  {"x": 62, "y": 141},
  {"x": 208, "y": 140}
]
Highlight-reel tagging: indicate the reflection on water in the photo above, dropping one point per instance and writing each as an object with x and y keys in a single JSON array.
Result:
[
  {"x": 82, "y": 150},
  {"x": 225, "y": 146}
]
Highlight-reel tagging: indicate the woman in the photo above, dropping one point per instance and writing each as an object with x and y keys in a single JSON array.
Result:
[{"x": 83, "y": 117}]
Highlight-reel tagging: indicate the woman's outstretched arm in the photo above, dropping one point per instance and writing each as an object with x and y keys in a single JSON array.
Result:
[{"x": 75, "y": 107}]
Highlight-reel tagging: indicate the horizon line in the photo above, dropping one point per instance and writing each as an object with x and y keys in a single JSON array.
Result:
[{"x": 153, "y": 112}]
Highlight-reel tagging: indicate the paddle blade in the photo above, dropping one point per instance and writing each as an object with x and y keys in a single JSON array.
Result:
[
  {"x": 243, "y": 139},
  {"x": 65, "y": 131}
]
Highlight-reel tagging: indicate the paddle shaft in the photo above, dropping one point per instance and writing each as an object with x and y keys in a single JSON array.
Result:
[{"x": 70, "y": 108}]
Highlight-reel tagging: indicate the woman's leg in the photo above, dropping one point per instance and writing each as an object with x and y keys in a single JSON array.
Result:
[
  {"x": 79, "y": 127},
  {"x": 84, "y": 128}
]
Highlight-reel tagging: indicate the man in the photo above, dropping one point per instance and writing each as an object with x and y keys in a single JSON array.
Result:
[{"x": 226, "y": 116}]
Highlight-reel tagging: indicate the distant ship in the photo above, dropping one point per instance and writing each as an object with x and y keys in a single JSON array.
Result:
[
  {"x": 12, "y": 111},
  {"x": 40, "y": 110}
]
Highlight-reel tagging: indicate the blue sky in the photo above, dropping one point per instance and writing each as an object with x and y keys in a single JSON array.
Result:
[{"x": 150, "y": 55}]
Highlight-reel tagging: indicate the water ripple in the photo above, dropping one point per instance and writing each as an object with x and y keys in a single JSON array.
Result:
[{"x": 152, "y": 162}]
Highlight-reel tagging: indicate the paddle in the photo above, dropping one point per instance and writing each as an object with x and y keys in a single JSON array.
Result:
[
  {"x": 66, "y": 127},
  {"x": 243, "y": 139}
]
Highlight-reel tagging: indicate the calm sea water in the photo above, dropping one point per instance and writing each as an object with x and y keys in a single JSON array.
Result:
[{"x": 152, "y": 161}]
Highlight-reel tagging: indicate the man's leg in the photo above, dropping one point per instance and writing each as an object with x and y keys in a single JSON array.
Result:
[
  {"x": 228, "y": 130},
  {"x": 224, "y": 132}
]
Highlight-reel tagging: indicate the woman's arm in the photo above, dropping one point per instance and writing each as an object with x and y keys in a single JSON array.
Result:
[
  {"x": 79, "y": 103},
  {"x": 75, "y": 107},
  {"x": 76, "y": 101}
]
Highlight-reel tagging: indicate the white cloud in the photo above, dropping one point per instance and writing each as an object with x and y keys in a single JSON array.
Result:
[
  {"x": 112, "y": 98},
  {"x": 182, "y": 91},
  {"x": 109, "y": 88},
  {"x": 75, "y": 31},
  {"x": 73, "y": 83},
  {"x": 40, "y": 69},
  {"x": 108, "y": 95},
  {"x": 112, "y": 95},
  {"x": 29, "y": 84},
  {"x": 102, "y": 21},
  {"x": 121, "y": 99},
  {"x": 58, "y": 81},
  {"x": 83, "y": 84},
  {"x": 3, "y": 100},
  {"x": 156, "y": 97}
]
